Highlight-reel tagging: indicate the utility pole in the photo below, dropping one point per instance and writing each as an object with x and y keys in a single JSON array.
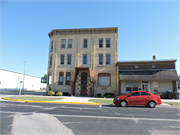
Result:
[{"x": 24, "y": 73}]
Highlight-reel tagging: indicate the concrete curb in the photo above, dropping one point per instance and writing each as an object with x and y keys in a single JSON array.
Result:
[{"x": 84, "y": 103}]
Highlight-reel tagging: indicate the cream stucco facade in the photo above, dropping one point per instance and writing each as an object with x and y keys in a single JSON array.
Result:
[{"x": 71, "y": 44}]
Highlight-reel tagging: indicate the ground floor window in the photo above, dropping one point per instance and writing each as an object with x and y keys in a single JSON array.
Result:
[
  {"x": 60, "y": 82},
  {"x": 131, "y": 86},
  {"x": 68, "y": 77},
  {"x": 104, "y": 79},
  {"x": 155, "y": 86}
]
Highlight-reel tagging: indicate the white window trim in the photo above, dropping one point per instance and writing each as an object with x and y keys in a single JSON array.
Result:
[{"x": 155, "y": 85}]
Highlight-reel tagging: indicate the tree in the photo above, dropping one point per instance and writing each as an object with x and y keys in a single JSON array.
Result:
[{"x": 44, "y": 79}]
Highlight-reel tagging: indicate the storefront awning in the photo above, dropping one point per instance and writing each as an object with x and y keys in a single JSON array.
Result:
[{"x": 165, "y": 75}]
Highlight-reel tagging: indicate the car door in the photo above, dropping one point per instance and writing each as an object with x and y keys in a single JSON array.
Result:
[
  {"x": 133, "y": 99},
  {"x": 144, "y": 98}
]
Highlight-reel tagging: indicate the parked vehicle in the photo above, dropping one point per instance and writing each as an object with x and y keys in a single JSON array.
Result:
[{"x": 138, "y": 98}]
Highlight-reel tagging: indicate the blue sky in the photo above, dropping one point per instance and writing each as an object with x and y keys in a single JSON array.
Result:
[{"x": 145, "y": 28}]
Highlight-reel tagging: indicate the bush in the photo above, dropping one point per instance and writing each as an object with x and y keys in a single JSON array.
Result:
[
  {"x": 107, "y": 96},
  {"x": 66, "y": 93},
  {"x": 99, "y": 94},
  {"x": 50, "y": 93},
  {"x": 59, "y": 93},
  {"x": 111, "y": 94}
]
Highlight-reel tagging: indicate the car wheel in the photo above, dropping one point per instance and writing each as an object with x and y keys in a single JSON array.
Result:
[
  {"x": 152, "y": 104},
  {"x": 123, "y": 103}
]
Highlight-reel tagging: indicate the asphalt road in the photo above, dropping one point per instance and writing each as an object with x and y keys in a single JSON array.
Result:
[{"x": 46, "y": 119}]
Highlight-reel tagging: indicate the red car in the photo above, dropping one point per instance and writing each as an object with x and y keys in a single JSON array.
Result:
[{"x": 138, "y": 98}]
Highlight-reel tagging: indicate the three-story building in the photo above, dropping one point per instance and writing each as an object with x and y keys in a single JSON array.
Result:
[{"x": 82, "y": 61}]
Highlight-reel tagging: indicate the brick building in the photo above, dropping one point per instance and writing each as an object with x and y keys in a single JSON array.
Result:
[{"x": 84, "y": 62}]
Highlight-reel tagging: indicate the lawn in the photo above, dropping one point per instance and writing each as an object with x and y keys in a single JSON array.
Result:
[
  {"x": 34, "y": 98},
  {"x": 173, "y": 103},
  {"x": 102, "y": 101}
]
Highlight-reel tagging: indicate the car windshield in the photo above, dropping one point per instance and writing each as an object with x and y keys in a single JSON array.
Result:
[{"x": 127, "y": 93}]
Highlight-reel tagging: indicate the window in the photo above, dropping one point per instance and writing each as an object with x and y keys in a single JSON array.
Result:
[
  {"x": 100, "y": 43},
  {"x": 84, "y": 59},
  {"x": 85, "y": 43},
  {"x": 131, "y": 86},
  {"x": 60, "y": 82},
  {"x": 108, "y": 43},
  {"x": 62, "y": 59},
  {"x": 69, "y": 59},
  {"x": 50, "y": 60},
  {"x": 128, "y": 86},
  {"x": 100, "y": 59},
  {"x": 104, "y": 79},
  {"x": 69, "y": 43},
  {"x": 135, "y": 94},
  {"x": 155, "y": 86},
  {"x": 51, "y": 46},
  {"x": 63, "y": 43},
  {"x": 68, "y": 77},
  {"x": 144, "y": 94},
  {"x": 107, "y": 59}
]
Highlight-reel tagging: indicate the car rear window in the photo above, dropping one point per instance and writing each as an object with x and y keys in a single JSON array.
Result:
[
  {"x": 144, "y": 94},
  {"x": 135, "y": 94}
]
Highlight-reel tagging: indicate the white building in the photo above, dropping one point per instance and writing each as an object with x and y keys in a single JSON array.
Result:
[{"x": 11, "y": 81}]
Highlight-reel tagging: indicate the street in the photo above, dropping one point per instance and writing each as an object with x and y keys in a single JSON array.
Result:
[{"x": 33, "y": 118}]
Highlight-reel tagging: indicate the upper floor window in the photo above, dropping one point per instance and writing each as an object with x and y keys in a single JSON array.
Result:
[
  {"x": 50, "y": 60},
  {"x": 108, "y": 43},
  {"x": 100, "y": 43},
  {"x": 62, "y": 59},
  {"x": 84, "y": 59},
  {"x": 69, "y": 59},
  {"x": 51, "y": 46},
  {"x": 63, "y": 43},
  {"x": 69, "y": 43},
  {"x": 85, "y": 43},
  {"x": 100, "y": 59},
  {"x": 68, "y": 77},
  {"x": 107, "y": 59},
  {"x": 60, "y": 82}
]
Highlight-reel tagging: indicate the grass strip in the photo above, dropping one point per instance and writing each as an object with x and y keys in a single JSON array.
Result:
[
  {"x": 173, "y": 103},
  {"x": 102, "y": 101},
  {"x": 31, "y": 98}
]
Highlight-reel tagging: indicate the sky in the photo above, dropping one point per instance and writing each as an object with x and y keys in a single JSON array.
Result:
[{"x": 145, "y": 28}]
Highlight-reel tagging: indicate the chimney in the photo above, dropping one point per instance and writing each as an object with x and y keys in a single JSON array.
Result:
[{"x": 154, "y": 57}]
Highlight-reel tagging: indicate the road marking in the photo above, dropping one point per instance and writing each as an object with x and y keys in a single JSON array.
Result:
[{"x": 117, "y": 118}]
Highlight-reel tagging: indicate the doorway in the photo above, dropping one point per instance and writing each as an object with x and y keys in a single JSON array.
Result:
[
  {"x": 145, "y": 86},
  {"x": 83, "y": 84}
]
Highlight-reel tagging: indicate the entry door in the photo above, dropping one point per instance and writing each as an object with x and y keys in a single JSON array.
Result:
[
  {"x": 145, "y": 86},
  {"x": 83, "y": 84}
]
